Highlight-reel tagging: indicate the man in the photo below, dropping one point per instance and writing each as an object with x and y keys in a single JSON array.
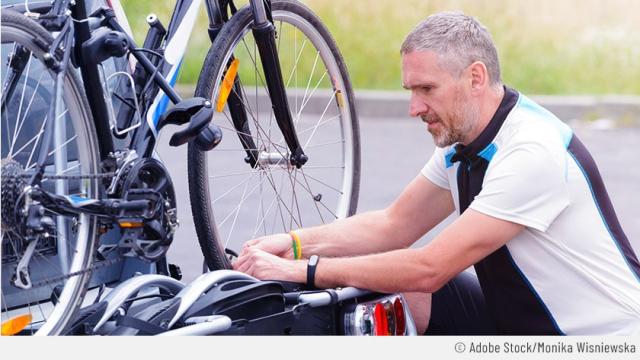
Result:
[{"x": 535, "y": 219}]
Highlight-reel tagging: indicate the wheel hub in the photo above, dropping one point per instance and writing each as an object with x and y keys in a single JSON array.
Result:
[{"x": 269, "y": 159}]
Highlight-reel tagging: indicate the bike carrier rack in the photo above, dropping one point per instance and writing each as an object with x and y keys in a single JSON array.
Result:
[
  {"x": 212, "y": 325},
  {"x": 129, "y": 288},
  {"x": 202, "y": 283}
]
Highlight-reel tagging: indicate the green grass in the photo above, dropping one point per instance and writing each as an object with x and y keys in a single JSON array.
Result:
[{"x": 545, "y": 46}]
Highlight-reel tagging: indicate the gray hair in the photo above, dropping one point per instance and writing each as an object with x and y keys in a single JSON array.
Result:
[{"x": 458, "y": 40}]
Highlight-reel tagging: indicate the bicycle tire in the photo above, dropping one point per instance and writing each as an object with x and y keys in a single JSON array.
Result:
[
  {"x": 301, "y": 20},
  {"x": 72, "y": 154}
]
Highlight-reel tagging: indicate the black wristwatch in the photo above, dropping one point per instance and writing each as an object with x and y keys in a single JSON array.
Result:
[{"x": 311, "y": 271}]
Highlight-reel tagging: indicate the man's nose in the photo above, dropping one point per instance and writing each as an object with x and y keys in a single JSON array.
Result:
[{"x": 417, "y": 107}]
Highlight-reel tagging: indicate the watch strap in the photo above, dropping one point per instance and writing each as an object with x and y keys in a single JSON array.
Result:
[{"x": 311, "y": 270}]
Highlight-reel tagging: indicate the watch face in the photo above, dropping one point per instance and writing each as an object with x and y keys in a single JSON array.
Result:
[{"x": 313, "y": 260}]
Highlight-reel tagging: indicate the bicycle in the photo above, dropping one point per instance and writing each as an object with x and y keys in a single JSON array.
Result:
[{"x": 86, "y": 202}]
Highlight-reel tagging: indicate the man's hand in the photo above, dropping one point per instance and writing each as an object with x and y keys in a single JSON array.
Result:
[
  {"x": 266, "y": 266},
  {"x": 278, "y": 244}
]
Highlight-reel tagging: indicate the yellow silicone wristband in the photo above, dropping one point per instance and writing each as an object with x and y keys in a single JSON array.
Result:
[{"x": 297, "y": 246}]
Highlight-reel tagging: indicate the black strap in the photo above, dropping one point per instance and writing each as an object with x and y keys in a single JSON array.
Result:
[
  {"x": 333, "y": 294},
  {"x": 146, "y": 328},
  {"x": 311, "y": 271}
]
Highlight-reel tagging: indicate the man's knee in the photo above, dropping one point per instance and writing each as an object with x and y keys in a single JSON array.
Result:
[{"x": 420, "y": 307}]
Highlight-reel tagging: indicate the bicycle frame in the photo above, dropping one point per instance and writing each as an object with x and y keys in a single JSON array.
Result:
[
  {"x": 197, "y": 112},
  {"x": 165, "y": 74},
  {"x": 178, "y": 33}
]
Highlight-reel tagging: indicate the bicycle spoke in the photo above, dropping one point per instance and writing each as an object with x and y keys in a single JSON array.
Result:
[
  {"x": 324, "y": 144},
  {"x": 24, "y": 89},
  {"x": 35, "y": 145},
  {"x": 306, "y": 99},
  {"x": 230, "y": 174},
  {"x": 234, "y": 130},
  {"x": 295, "y": 64},
  {"x": 313, "y": 195},
  {"x": 230, "y": 190},
  {"x": 323, "y": 167},
  {"x": 270, "y": 178},
  {"x": 322, "y": 182},
  {"x": 62, "y": 145},
  {"x": 318, "y": 125},
  {"x": 264, "y": 217},
  {"x": 235, "y": 217},
  {"x": 264, "y": 83},
  {"x": 260, "y": 207},
  {"x": 313, "y": 70},
  {"x": 41, "y": 131},
  {"x": 319, "y": 120},
  {"x": 280, "y": 203},
  {"x": 35, "y": 138},
  {"x": 237, "y": 206},
  {"x": 315, "y": 203},
  {"x": 68, "y": 169},
  {"x": 294, "y": 196},
  {"x": 255, "y": 77},
  {"x": 21, "y": 122}
]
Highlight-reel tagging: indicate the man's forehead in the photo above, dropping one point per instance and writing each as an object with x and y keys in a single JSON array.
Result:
[
  {"x": 420, "y": 68},
  {"x": 420, "y": 57}
]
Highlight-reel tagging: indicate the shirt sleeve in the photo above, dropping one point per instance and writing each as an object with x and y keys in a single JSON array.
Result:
[
  {"x": 435, "y": 170},
  {"x": 526, "y": 185}
]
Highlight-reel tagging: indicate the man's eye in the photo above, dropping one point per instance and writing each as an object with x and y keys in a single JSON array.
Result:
[{"x": 426, "y": 88}]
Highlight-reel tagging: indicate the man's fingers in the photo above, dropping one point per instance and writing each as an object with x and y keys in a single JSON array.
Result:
[
  {"x": 250, "y": 243},
  {"x": 246, "y": 260},
  {"x": 251, "y": 270},
  {"x": 241, "y": 265},
  {"x": 241, "y": 261}
]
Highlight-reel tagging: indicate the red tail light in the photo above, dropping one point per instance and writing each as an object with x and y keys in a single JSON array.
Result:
[
  {"x": 381, "y": 317},
  {"x": 401, "y": 323},
  {"x": 381, "y": 321}
]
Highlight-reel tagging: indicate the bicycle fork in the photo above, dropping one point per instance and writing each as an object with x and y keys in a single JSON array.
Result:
[{"x": 264, "y": 34}]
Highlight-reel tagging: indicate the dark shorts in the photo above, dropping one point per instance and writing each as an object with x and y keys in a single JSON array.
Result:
[{"x": 459, "y": 308}]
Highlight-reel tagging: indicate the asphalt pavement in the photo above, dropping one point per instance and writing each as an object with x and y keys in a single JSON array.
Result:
[{"x": 393, "y": 152}]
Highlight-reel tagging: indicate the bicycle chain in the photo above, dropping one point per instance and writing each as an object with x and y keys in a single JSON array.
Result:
[
  {"x": 57, "y": 279},
  {"x": 70, "y": 177}
]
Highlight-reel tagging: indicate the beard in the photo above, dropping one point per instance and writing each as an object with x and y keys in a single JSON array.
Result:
[{"x": 455, "y": 125}]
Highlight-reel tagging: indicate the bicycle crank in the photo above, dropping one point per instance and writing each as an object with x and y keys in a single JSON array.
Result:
[{"x": 147, "y": 234}]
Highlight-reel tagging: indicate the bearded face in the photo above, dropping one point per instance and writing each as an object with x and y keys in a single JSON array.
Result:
[
  {"x": 452, "y": 124},
  {"x": 441, "y": 99}
]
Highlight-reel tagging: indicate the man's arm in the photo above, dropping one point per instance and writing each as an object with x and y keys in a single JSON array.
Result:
[
  {"x": 469, "y": 239},
  {"x": 421, "y": 206}
]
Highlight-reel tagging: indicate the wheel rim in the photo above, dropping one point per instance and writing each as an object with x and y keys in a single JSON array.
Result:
[
  {"x": 73, "y": 154},
  {"x": 275, "y": 196}
]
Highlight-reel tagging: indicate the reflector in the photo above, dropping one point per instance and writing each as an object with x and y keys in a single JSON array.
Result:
[
  {"x": 227, "y": 84},
  {"x": 381, "y": 323},
  {"x": 400, "y": 319},
  {"x": 15, "y": 325}
]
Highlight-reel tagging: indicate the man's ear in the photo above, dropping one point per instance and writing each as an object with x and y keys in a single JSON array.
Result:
[{"x": 479, "y": 76}]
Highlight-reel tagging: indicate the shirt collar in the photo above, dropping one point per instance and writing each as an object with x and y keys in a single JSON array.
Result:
[{"x": 470, "y": 152}]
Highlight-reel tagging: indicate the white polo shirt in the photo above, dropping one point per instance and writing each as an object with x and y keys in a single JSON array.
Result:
[{"x": 572, "y": 269}]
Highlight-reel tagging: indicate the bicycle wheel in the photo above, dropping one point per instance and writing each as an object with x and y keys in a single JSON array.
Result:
[
  {"x": 232, "y": 201},
  {"x": 58, "y": 266}
]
